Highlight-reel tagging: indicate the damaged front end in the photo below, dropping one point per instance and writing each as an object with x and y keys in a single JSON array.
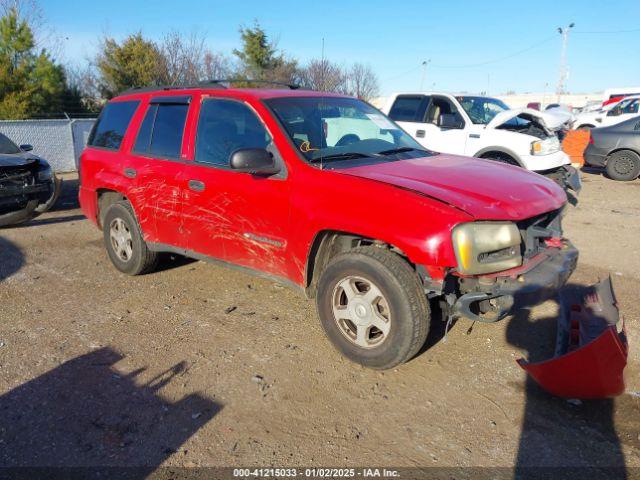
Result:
[
  {"x": 28, "y": 188},
  {"x": 568, "y": 178},
  {"x": 591, "y": 347}
]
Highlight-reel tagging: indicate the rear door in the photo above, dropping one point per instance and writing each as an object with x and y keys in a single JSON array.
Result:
[
  {"x": 237, "y": 217},
  {"x": 156, "y": 167},
  {"x": 409, "y": 112}
]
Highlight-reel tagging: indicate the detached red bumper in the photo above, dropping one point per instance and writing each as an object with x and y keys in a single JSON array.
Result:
[{"x": 591, "y": 352}]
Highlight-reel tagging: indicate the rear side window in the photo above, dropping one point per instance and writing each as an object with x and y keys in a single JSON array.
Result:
[
  {"x": 409, "y": 108},
  {"x": 112, "y": 124},
  {"x": 160, "y": 134}
]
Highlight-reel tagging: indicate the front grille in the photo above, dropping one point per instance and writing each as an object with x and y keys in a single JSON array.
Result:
[
  {"x": 536, "y": 230},
  {"x": 16, "y": 177}
]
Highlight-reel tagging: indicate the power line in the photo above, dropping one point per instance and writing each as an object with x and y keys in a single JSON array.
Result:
[
  {"x": 515, "y": 54},
  {"x": 607, "y": 31}
]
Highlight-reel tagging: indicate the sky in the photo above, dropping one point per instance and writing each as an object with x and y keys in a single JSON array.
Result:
[{"x": 472, "y": 46}]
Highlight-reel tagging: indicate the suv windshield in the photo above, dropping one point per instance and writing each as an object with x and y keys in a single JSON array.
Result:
[
  {"x": 481, "y": 110},
  {"x": 7, "y": 146},
  {"x": 340, "y": 128}
]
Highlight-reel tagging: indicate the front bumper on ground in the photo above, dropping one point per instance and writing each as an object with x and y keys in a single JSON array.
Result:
[{"x": 493, "y": 297}]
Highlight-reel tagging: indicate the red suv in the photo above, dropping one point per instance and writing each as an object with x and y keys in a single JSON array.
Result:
[{"x": 324, "y": 193}]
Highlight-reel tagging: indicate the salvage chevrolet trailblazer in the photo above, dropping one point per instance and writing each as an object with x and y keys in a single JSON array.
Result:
[{"x": 325, "y": 193}]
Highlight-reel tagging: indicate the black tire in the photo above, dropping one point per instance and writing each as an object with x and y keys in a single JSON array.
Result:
[
  {"x": 408, "y": 308},
  {"x": 142, "y": 260},
  {"x": 585, "y": 128},
  {"x": 500, "y": 157},
  {"x": 623, "y": 165}
]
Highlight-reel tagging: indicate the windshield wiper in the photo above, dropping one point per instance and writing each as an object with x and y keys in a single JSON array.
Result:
[
  {"x": 339, "y": 156},
  {"x": 399, "y": 150}
]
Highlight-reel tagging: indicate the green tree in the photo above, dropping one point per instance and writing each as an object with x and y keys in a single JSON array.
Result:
[
  {"x": 136, "y": 62},
  {"x": 260, "y": 58},
  {"x": 31, "y": 83}
]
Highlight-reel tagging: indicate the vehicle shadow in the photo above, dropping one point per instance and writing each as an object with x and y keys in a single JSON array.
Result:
[
  {"x": 561, "y": 439},
  {"x": 11, "y": 259},
  {"x": 86, "y": 418},
  {"x": 68, "y": 199}
]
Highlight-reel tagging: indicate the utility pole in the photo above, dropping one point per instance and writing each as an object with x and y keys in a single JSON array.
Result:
[
  {"x": 564, "y": 31},
  {"x": 424, "y": 72}
]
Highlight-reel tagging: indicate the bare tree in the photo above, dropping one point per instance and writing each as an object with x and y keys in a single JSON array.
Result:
[
  {"x": 31, "y": 12},
  {"x": 187, "y": 60},
  {"x": 84, "y": 82},
  {"x": 324, "y": 76},
  {"x": 362, "y": 82}
]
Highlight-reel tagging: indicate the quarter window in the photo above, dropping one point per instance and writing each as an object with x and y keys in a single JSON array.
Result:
[
  {"x": 224, "y": 127},
  {"x": 161, "y": 131},
  {"x": 112, "y": 124}
]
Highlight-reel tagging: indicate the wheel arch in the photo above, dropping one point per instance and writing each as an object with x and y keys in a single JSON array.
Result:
[
  {"x": 481, "y": 153},
  {"x": 105, "y": 198},
  {"x": 329, "y": 243}
]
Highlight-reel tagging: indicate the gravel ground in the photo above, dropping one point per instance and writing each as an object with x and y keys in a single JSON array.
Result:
[{"x": 198, "y": 365}]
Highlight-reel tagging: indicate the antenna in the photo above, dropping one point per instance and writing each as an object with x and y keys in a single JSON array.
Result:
[{"x": 563, "y": 59}]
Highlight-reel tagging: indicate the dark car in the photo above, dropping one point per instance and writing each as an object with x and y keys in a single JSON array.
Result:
[
  {"x": 617, "y": 148},
  {"x": 28, "y": 186}
]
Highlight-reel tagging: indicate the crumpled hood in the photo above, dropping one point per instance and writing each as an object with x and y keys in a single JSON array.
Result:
[
  {"x": 552, "y": 122},
  {"x": 17, "y": 159},
  {"x": 484, "y": 189}
]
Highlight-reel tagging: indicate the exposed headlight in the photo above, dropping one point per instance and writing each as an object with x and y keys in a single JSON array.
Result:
[
  {"x": 45, "y": 174},
  {"x": 546, "y": 146},
  {"x": 486, "y": 247}
]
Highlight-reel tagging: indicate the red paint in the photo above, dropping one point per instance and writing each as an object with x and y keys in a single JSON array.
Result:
[
  {"x": 592, "y": 371},
  {"x": 412, "y": 204}
]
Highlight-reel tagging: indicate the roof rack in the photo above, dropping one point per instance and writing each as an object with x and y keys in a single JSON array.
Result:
[
  {"x": 220, "y": 81},
  {"x": 156, "y": 88}
]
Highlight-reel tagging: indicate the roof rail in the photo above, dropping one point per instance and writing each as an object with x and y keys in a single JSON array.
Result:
[
  {"x": 220, "y": 81},
  {"x": 157, "y": 88}
]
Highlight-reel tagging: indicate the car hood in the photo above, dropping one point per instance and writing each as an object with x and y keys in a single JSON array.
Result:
[
  {"x": 16, "y": 159},
  {"x": 484, "y": 189},
  {"x": 552, "y": 122}
]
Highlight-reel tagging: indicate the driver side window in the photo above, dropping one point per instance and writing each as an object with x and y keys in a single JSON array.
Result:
[
  {"x": 225, "y": 126},
  {"x": 440, "y": 106}
]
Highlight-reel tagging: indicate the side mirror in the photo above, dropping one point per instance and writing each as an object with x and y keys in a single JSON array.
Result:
[
  {"x": 26, "y": 147},
  {"x": 450, "y": 120},
  {"x": 257, "y": 161}
]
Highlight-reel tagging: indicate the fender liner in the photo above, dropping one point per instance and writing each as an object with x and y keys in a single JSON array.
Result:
[{"x": 504, "y": 150}]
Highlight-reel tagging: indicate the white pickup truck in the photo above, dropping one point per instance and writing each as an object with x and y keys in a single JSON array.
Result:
[{"x": 485, "y": 127}]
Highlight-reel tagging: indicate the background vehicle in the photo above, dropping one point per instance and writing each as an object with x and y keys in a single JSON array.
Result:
[
  {"x": 28, "y": 186},
  {"x": 325, "y": 193},
  {"x": 617, "y": 148},
  {"x": 622, "y": 92},
  {"x": 485, "y": 127},
  {"x": 609, "y": 114}
]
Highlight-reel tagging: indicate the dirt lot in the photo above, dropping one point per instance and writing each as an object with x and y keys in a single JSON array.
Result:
[{"x": 201, "y": 365}]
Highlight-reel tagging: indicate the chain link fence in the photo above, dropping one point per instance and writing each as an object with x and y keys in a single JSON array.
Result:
[{"x": 59, "y": 141}]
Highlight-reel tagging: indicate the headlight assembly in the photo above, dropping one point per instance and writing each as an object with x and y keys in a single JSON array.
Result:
[
  {"x": 545, "y": 147},
  {"x": 486, "y": 247},
  {"x": 45, "y": 174}
]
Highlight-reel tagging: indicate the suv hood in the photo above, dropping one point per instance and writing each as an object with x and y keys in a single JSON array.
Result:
[
  {"x": 16, "y": 160},
  {"x": 484, "y": 189},
  {"x": 550, "y": 121}
]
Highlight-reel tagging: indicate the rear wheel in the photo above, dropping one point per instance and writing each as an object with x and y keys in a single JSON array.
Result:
[
  {"x": 623, "y": 166},
  {"x": 124, "y": 243},
  {"x": 372, "y": 307}
]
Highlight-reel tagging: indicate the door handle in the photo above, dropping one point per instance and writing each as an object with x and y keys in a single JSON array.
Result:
[
  {"x": 196, "y": 185},
  {"x": 420, "y": 133},
  {"x": 130, "y": 172}
]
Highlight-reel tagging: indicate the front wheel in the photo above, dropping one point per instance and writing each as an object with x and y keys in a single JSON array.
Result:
[
  {"x": 372, "y": 307},
  {"x": 623, "y": 166}
]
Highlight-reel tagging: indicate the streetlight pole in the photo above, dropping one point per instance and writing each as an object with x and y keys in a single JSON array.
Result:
[
  {"x": 424, "y": 72},
  {"x": 564, "y": 31}
]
